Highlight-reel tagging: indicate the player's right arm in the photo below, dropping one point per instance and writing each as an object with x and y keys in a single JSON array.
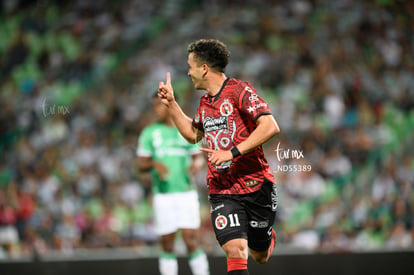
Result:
[
  {"x": 145, "y": 164},
  {"x": 181, "y": 120},
  {"x": 145, "y": 152}
]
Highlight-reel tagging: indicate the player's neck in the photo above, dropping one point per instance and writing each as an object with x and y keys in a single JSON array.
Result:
[
  {"x": 215, "y": 83},
  {"x": 168, "y": 122}
]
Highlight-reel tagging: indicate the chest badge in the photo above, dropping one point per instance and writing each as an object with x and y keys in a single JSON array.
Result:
[{"x": 226, "y": 108}]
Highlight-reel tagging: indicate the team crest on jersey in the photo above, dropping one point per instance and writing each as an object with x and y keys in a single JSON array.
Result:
[
  {"x": 220, "y": 222},
  {"x": 226, "y": 108}
]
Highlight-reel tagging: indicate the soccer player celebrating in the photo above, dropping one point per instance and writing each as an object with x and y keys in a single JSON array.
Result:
[
  {"x": 234, "y": 122},
  {"x": 163, "y": 151}
]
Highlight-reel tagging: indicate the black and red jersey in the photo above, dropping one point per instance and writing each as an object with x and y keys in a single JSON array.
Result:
[{"x": 227, "y": 119}]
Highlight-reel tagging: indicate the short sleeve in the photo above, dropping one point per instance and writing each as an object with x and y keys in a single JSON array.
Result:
[
  {"x": 198, "y": 118},
  {"x": 145, "y": 147},
  {"x": 252, "y": 104}
]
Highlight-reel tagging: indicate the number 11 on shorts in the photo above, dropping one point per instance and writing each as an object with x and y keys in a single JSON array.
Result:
[{"x": 234, "y": 220}]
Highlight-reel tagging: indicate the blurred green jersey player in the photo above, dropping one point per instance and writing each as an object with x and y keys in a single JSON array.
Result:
[{"x": 166, "y": 154}]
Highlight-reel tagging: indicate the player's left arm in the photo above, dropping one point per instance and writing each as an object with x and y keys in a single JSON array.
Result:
[
  {"x": 267, "y": 127},
  {"x": 197, "y": 164}
]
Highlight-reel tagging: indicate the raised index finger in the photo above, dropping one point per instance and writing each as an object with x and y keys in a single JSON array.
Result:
[
  {"x": 207, "y": 150},
  {"x": 168, "y": 79}
]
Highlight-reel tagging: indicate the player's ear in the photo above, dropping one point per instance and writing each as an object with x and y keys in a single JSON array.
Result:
[{"x": 205, "y": 69}]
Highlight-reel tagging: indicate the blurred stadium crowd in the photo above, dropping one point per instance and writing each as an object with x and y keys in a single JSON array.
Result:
[{"x": 76, "y": 78}]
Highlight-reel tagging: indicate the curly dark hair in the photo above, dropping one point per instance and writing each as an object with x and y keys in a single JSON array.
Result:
[{"x": 212, "y": 52}]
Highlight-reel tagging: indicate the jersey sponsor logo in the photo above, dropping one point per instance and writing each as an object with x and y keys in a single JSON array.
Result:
[
  {"x": 269, "y": 232},
  {"x": 220, "y": 222},
  {"x": 221, "y": 139},
  {"x": 274, "y": 200},
  {"x": 248, "y": 89},
  {"x": 226, "y": 108},
  {"x": 251, "y": 183},
  {"x": 157, "y": 139},
  {"x": 257, "y": 106},
  {"x": 215, "y": 124},
  {"x": 216, "y": 208},
  {"x": 253, "y": 98},
  {"x": 178, "y": 152}
]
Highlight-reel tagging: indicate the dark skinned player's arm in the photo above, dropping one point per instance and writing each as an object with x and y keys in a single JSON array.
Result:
[{"x": 145, "y": 164}]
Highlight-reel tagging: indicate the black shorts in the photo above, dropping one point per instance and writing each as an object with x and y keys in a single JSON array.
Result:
[{"x": 248, "y": 216}]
